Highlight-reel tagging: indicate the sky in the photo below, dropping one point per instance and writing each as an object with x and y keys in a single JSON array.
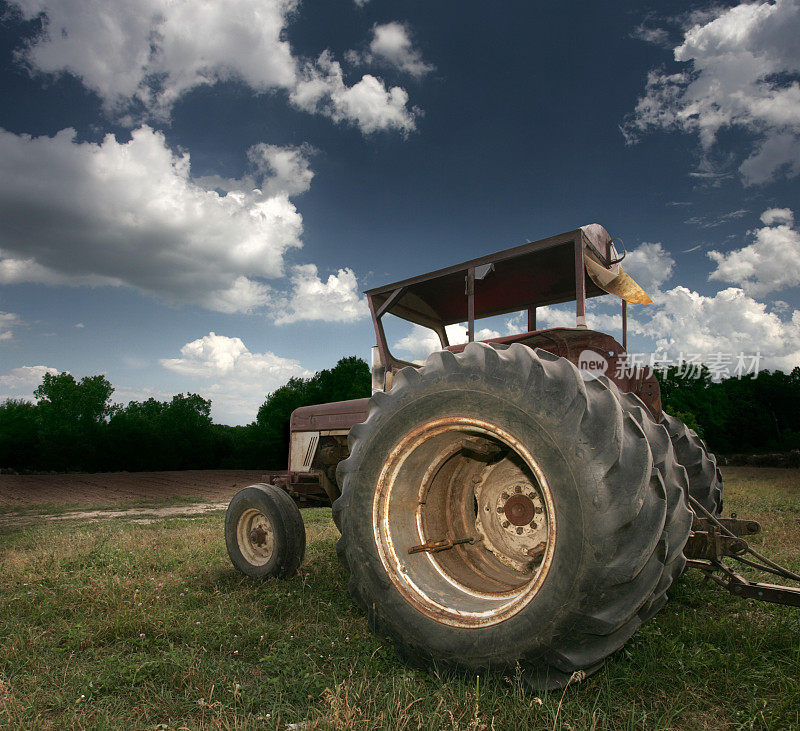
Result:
[{"x": 194, "y": 193}]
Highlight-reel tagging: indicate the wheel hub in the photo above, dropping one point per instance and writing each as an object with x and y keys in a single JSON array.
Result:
[
  {"x": 255, "y": 537},
  {"x": 258, "y": 535},
  {"x": 519, "y": 509},
  {"x": 510, "y": 517}
]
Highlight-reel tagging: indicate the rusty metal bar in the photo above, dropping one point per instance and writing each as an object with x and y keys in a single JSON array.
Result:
[
  {"x": 741, "y": 587},
  {"x": 580, "y": 284},
  {"x": 390, "y": 300},
  {"x": 470, "y": 304},
  {"x": 624, "y": 325},
  {"x": 531, "y": 319},
  {"x": 380, "y": 335}
]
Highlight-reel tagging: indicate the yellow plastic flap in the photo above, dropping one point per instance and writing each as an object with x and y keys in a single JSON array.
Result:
[{"x": 614, "y": 280}]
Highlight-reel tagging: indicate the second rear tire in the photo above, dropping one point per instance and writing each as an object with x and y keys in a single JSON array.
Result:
[{"x": 705, "y": 478}]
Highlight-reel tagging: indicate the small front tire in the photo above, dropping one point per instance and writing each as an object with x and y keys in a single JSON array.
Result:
[{"x": 264, "y": 532}]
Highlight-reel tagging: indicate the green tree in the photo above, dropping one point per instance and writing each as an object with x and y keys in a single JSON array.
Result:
[
  {"x": 72, "y": 418},
  {"x": 349, "y": 379},
  {"x": 166, "y": 435},
  {"x": 19, "y": 435}
]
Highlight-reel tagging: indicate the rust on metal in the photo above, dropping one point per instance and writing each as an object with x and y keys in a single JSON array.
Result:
[
  {"x": 540, "y": 273},
  {"x": 744, "y": 588},
  {"x": 442, "y": 544},
  {"x": 712, "y": 545},
  {"x": 734, "y": 525},
  {"x": 481, "y": 448},
  {"x": 482, "y": 600},
  {"x": 258, "y": 535},
  {"x": 519, "y": 510},
  {"x": 723, "y": 538}
]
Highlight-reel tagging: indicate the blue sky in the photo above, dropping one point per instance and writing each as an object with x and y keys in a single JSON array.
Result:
[{"x": 193, "y": 194}]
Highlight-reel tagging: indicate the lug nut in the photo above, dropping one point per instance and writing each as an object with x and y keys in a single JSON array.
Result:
[
  {"x": 506, "y": 524},
  {"x": 519, "y": 531},
  {"x": 505, "y": 495},
  {"x": 518, "y": 488},
  {"x": 500, "y": 509}
]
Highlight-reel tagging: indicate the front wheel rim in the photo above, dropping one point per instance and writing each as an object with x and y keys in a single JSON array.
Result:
[
  {"x": 497, "y": 495},
  {"x": 255, "y": 537}
]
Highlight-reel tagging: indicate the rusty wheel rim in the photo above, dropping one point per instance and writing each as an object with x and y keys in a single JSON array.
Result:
[
  {"x": 500, "y": 497},
  {"x": 255, "y": 537}
]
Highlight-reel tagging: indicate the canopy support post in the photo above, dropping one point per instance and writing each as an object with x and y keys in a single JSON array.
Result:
[
  {"x": 531, "y": 319},
  {"x": 580, "y": 284},
  {"x": 470, "y": 304},
  {"x": 624, "y": 325}
]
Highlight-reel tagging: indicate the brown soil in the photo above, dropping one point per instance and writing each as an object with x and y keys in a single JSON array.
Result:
[{"x": 113, "y": 488}]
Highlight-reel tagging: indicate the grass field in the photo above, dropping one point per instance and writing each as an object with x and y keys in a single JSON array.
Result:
[{"x": 114, "y": 624}]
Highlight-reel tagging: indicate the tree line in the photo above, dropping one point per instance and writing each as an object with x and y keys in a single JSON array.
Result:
[
  {"x": 73, "y": 425},
  {"x": 737, "y": 415}
]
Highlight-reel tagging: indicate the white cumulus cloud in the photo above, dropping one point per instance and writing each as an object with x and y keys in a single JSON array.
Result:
[
  {"x": 740, "y": 71},
  {"x": 368, "y": 104},
  {"x": 729, "y": 322},
  {"x": 129, "y": 213},
  {"x": 21, "y": 382},
  {"x": 8, "y": 321},
  {"x": 391, "y": 45},
  {"x": 234, "y": 378},
  {"x": 152, "y": 51},
  {"x": 650, "y": 265},
  {"x": 335, "y": 300},
  {"x": 141, "y": 56},
  {"x": 421, "y": 341},
  {"x": 770, "y": 263}
]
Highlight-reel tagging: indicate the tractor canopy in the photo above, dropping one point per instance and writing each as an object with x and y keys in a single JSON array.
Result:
[{"x": 567, "y": 267}]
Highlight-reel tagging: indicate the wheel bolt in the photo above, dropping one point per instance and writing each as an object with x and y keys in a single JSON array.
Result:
[
  {"x": 518, "y": 488},
  {"x": 519, "y": 531},
  {"x": 505, "y": 495},
  {"x": 506, "y": 524}
]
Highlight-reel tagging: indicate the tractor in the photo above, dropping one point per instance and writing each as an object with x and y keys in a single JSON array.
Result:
[{"x": 522, "y": 502}]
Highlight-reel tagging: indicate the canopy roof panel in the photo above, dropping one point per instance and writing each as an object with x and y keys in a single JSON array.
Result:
[{"x": 531, "y": 275}]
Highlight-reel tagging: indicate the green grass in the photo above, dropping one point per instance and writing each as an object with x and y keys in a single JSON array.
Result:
[{"x": 119, "y": 625}]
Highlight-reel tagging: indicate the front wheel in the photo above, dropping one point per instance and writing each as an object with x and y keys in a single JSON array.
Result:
[{"x": 264, "y": 532}]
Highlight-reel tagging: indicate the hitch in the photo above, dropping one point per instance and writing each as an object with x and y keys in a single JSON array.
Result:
[{"x": 712, "y": 539}]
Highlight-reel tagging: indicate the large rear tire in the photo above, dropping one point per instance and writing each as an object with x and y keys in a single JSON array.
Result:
[
  {"x": 705, "y": 479},
  {"x": 547, "y": 474}
]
